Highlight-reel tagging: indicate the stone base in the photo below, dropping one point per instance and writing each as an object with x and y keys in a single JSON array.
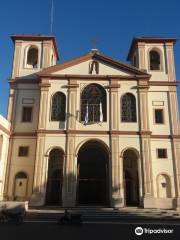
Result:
[
  {"x": 117, "y": 202},
  {"x": 14, "y": 204},
  {"x": 176, "y": 204},
  {"x": 160, "y": 203},
  {"x": 149, "y": 202},
  {"x": 69, "y": 201},
  {"x": 37, "y": 199}
]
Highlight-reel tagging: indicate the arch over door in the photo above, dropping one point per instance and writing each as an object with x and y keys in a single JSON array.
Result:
[
  {"x": 93, "y": 180},
  {"x": 55, "y": 177},
  {"x": 131, "y": 178},
  {"x": 20, "y": 186}
]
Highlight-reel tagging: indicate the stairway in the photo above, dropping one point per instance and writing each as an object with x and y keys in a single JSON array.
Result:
[{"x": 104, "y": 214}]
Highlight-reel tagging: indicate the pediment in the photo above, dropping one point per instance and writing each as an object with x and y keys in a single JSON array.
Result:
[{"x": 95, "y": 63}]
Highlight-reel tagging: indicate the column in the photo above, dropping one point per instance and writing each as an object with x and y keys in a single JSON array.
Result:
[
  {"x": 16, "y": 60},
  {"x": 170, "y": 61},
  {"x": 145, "y": 143},
  {"x": 39, "y": 185},
  {"x": 141, "y": 58},
  {"x": 116, "y": 174},
  {"x": 12, "y": 103},
  {"x": 69, "y": 186}
]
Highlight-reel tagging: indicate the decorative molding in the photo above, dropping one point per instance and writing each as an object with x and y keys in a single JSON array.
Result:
[
  {"x": 89, "y": 132},
  {"x": 73, "y": 85}
]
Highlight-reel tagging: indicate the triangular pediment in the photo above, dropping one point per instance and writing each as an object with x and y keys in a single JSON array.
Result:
[{"x": 83, "y": 66}]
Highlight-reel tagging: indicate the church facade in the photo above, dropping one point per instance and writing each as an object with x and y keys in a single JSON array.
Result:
[{"x": 93, "y": 130}]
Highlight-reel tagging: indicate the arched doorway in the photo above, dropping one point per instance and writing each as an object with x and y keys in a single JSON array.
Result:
[
  {"x": 92, "y": 188},
  {"x": 131, "y": 178},
  {"x": 55, "y": 177}
]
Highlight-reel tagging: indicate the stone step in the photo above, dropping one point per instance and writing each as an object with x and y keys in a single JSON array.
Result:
[{"x": 104, "y": 215}]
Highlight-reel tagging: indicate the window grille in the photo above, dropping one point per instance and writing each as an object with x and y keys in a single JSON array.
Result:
[
  {"x": 92, "y": 96},
  {"x": 128, "y": 108},
  {"x": 58, "y": 112}
]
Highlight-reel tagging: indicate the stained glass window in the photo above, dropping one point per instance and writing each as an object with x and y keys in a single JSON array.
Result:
[
  {"x": 128, "y": 108},
  {"x": 58, "y": 112},
  {"x": 93, "y": 100}
]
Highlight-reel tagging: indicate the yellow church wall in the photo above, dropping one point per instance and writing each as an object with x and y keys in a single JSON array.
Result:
[
  {"x": 162, "y": 165},
  {"x": 22, "y": 164},
  {"x": 83, "y": 68},
  {"x": 158, "y": 100},
  {"x": 24, "y": 95}
]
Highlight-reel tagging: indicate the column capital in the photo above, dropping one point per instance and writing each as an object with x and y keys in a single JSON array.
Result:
[
  {"x": 143, "y": 84},
  {"x": 44, "y": 84}
]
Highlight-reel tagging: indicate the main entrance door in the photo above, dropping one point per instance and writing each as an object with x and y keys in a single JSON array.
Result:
[
  {"x": 92, "y": 186},
  {"x": 55, "y": 178}
]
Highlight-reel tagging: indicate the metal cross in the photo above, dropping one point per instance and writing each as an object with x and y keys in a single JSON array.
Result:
[{"x": 94, "y": 42}]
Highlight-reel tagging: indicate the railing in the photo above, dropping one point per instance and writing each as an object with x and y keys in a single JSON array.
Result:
[{"x": 93, "y": 112}]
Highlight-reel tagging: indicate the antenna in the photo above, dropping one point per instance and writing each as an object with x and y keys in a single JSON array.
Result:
[{"x": 52, "y": 15}]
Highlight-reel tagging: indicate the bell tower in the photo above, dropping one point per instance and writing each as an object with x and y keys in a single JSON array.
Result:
[
  {"x": 155, "y": 56},
  {"x": 33, "y": 53}
]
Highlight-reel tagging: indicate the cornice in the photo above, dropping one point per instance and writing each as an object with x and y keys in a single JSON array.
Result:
[{"x": 94, "y": 132}]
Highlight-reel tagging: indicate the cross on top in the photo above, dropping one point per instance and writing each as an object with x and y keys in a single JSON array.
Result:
[{"x": 94, "y": 42}]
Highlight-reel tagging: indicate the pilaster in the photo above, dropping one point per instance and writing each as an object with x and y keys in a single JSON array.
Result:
[
  {"x": 170, "y": 61},
  {"x": 175, "y": 142},
  {"x": 69, "y": 187},
  {"x": 148, "y": 199},
  {"x": 40, "y": 169},
  {"x": 12, "y": 104},
  {"x": 116, "y": 174},
  {"x": 17, "y": 58},
  {"x": 141, "y": 51},
  {"x": 46, "y": 54},
  {"x": 44, "y": 88}
]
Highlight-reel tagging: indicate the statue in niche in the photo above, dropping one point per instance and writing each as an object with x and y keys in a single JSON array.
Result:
[{"x": 93, "y": 67}]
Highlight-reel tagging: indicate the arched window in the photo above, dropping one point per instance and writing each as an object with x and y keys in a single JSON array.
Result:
[
  {"x": 128, "y": 108},
  {"x": 155, "y": 63},
  {"x": 32, "y": 58},
  {"x": 93, "y": 104},
  {"x": 58, "y": 112}
]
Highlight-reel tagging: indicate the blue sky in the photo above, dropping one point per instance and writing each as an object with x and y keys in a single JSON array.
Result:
[{"x": 76, "y": 22}]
